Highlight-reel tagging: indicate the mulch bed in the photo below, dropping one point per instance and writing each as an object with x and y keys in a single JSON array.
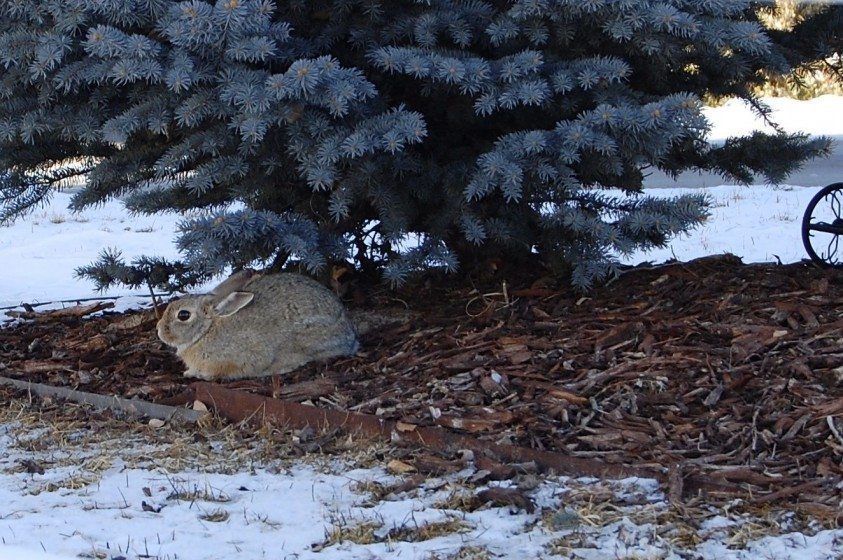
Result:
[{"x": 711, "y": 368}]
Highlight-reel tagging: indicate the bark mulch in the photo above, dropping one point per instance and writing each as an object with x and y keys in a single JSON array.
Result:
[{"x": 718, "y": 375}]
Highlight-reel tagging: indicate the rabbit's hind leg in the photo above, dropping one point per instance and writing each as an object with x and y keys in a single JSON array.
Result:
[{"x": 334, "y": 348}]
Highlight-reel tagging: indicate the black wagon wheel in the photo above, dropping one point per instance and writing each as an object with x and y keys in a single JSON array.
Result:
[{"x": 822, "y": 226}]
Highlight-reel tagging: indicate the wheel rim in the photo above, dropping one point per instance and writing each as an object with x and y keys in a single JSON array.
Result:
[{"x": 822, "y": 226}]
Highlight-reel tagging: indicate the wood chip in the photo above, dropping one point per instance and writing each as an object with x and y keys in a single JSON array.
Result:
[{"x": 399, "y": 467}]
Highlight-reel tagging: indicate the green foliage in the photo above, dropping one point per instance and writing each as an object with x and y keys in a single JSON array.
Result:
[{"x": 342, "y": 129}]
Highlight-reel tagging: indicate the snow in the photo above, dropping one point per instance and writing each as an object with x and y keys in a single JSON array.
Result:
[
  {"x": 757, "y": 223},
  {"x": 18, "y": 553},
  {"x": 266, "y": 512},
  {"x": 269, "y": 514},
  {"x": 131, "y": 513},
  {"x": 820, "y": 116},
  {"x": 51, "y": 243}
]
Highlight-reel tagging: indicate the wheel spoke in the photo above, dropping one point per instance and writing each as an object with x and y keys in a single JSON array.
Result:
[
  {"x": 825, "y": 228},
  {"x": 835, "y": 203},
  {"x": 833, "y": 245}
]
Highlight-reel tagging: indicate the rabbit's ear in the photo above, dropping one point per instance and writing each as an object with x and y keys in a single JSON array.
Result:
[
  {"x": 235, "y": 282},
  {"x": 233, "y": 302}
]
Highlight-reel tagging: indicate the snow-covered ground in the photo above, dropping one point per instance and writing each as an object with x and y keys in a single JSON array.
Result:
[
  {"x": 39, "y": 254},
  {"x": 121, "y": 497},
  {"x": 84, "y": 506},
  {"x": 757, "y": 223}
]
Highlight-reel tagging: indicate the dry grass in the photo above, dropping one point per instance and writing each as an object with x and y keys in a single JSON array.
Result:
[
  {"x": 803, "y": 83},
  {"x": 372, "y": 531},
  {"x": 465, "y": 553},
  {"x": 376, "y": 492},
  {"x": 459, "y": 500},
  {"x": 74, "y": 445},
  {"x": 587, "y": 510},
  {"x": 215, "y": 516},
  {"x": 196, "y": 493},
  {"x": 360, "y": 533},
  {"x": 783, "y": 15},
  {"x": 427, "y": 531},
  {"x": 74, "y": 482},
  {"x": 566, "y": 545}
]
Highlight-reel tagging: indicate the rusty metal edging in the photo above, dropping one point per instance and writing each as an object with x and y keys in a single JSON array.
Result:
[{"x": 239, "y": 406}]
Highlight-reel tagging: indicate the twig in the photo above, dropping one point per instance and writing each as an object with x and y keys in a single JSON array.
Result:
[
  {"x": 81, "y": 300},
  {"x": 830, "y": 421},
  {"x": 154, "y": 301}
]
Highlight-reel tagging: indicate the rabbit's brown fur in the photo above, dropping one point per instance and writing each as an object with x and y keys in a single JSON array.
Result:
[{"x": 254, "y": 325}]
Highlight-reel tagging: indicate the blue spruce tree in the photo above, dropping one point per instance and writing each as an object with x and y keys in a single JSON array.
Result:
[{"x": 314, "y": 130}]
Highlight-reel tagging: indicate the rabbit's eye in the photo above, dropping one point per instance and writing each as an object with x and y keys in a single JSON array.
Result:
[{"x": 183, "y": 315}]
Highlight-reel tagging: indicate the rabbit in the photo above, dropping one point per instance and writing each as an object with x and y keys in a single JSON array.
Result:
[{"x": 254, "y": 325}]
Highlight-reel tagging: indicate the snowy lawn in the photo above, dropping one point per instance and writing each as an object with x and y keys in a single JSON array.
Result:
[
  {"x": 123, "y": 495},
  {"x": 38, "y": 254},
  {"x": 757, "y": 223},
  {"x": 121, "y": 489}
]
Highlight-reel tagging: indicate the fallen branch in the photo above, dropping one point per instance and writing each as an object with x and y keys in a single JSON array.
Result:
[
  {"x": 77, "y": 301},
  {"x": 75, "y": 311},
  {"x": 130, "y": 407}
]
